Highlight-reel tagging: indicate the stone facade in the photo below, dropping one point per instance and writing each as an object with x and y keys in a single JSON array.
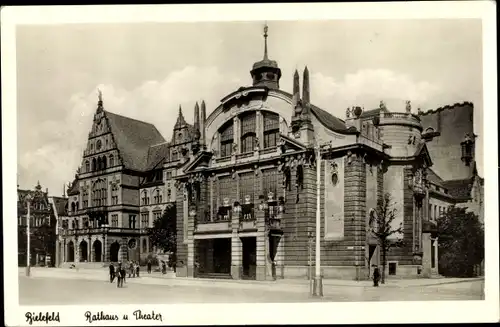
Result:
[{"x": 245, "y": 184}]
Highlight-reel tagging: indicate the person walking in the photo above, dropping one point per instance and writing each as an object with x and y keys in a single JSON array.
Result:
[
  {"x": 149, "y": 266},
  {"x": 137, "y": 268},
  {"x": 111, "y": 272},
  {"x": 376, "y": 276},
  {"x": 120, "y": 277}
]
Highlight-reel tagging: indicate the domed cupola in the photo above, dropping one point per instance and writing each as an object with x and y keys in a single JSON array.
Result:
[{"x": 266, "y": 72}]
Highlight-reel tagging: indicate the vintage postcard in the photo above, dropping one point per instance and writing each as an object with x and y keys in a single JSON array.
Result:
[{"x": 246, "y": 164}]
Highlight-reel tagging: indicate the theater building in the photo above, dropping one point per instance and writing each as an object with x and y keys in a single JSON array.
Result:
[{"x": 244, "y": 182}]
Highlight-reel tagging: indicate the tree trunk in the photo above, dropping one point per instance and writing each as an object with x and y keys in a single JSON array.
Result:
[{"x": 384, "y": 263}]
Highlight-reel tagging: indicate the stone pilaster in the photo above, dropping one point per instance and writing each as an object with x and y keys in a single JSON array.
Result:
[{"x": 261, "y": 245}]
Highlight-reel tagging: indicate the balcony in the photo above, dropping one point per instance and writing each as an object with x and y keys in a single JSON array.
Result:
[{"x": 98, "y": 230}]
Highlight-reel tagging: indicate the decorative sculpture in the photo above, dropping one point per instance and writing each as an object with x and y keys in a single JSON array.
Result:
[
  {"x": 408, "y": 106},
  {"x": 382, "y": 105}
]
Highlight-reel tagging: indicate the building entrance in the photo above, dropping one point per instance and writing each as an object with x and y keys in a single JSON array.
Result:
[
  {"x": 249, "y": 256},
  {"x": 213, "y": 258}
]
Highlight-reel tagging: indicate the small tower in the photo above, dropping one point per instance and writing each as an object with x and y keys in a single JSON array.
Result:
[
  {"x": 203, "y": 118},
  {"x": 197, "y": 122},
  {"x": 266, "y": 72},
  {"x": 306, "y": 98}
]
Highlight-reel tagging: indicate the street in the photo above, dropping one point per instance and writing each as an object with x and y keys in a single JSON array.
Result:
[{"x": 53, "y": 291}]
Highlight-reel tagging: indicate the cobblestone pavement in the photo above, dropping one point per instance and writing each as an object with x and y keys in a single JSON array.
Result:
[{"x": 148, "y": 290}]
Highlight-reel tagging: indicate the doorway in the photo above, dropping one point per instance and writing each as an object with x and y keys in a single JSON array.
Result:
[
  {"x": 83, "y": 251},
  {"x": 70, "y": 252},
  {"x": 113, "y": 252},
  {"x": 249, "y": 256},
  {"x": 372, "y": 258},
  {"x": 97, "y": 251}
]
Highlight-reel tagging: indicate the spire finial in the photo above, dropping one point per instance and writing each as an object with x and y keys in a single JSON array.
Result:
[
  {"x": 265, "y": 41},
  {"x": 99, "y": 95}
]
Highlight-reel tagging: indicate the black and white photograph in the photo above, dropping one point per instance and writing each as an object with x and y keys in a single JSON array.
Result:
[{"x": 203, "y": 159}]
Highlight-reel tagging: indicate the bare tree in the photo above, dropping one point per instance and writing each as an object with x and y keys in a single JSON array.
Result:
[{"x": 381, "y": 227}]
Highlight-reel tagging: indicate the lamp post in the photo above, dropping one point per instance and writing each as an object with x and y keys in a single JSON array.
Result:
[
  {"x": 28, "y": 220},
  {"x": 318, "y": 281},
  {"x": 310, "y": 240}
]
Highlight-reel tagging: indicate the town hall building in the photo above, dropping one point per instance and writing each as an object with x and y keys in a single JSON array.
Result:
[{"x": 244, "y": 178}]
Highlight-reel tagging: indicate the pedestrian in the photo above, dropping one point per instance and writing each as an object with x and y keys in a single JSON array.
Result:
[
  {"x": 123, "y": 274},
  {"x": 119, "y": 281},
  {"x": 130, "y": 269},
  {"x": 376, "y": 277},
  {"x": 137, "y": 269},
  {"x": 111, "y": 272},
  {"x": 163, "y": 267},
  {"x": 149, "y": 266}
]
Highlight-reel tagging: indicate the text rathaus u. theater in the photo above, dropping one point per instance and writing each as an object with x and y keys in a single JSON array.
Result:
[{"x": 243, "y": 180}]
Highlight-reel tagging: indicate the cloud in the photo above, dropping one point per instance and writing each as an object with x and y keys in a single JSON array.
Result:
[
  {"x": 367, "y": 87},
  {"x": 55, "y": 147}
]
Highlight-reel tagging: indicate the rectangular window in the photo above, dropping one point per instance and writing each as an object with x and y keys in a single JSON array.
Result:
[
  {"x": 392, "y": 268},
  {"x": 430, "y": 212},
  {"x": 145, "y": 220},
  {"x": 169, "y": 175},
  {"x": 435, "y": 212},
  {"x": 131, "y": 221},
  {"x": 247, "y": 143},
  {"x": 227, "y": 140},
  {"x": 247, "y": 187},
  {"x": 271, "y": 130},
  {"x": 269, "y": 182},
  {"x": 247, "y": 195},
  {"x": 114, "y": 220},
  {"x": 226, "y": 190}
]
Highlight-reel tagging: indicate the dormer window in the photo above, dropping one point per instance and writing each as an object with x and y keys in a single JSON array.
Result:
[{"x": 248, "y": 132}]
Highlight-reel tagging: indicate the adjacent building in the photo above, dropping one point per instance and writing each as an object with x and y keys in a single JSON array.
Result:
[
  {"x": 244, "y": 182},
  {"x": 42, "y": 227}
]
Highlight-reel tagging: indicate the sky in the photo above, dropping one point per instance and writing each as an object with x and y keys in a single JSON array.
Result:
[{"x": 146, "y": 70}]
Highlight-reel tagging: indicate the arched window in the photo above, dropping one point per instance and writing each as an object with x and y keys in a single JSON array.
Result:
[
  {"x": 145, "y": 198},
  {"x": 99, "y": 163},
  {"x": 94, "y": 164},
  {"x": 103, "y": 162},
  {"x": 157, "y": 197},
  {"x": 87, "y": 166},
  {"x": 226, "y": 139},
  {"x": 77, "y": 205},
  {"x": 111, "y": 160},
  {"x": 248, "y": 132},
  {"x": 99, "y": 193},
  {"x": 271, "y": 129},
  {"x": 73, "y": 206}
]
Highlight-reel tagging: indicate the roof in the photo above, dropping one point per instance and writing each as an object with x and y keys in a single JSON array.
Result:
[
  {"x": 133, "y": 139},
  {"x": 330, "y": 121},
  {"x": 434, "y": 178},
  {"x": 73, "y": 188},
  {"x": 327, "y": 119},
  {"x": 459, "y": 188},
  {"x": 60, "y": 204},
  {"x": 157, "y": 154},
  {"x": 372, "y": 112}
]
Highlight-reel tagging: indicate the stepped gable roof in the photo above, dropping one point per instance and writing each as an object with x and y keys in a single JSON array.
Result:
[
  {"x": 434, "y": 178},
  {"x": 61, "y": 205},
  {"x": 157, "y": 155},
  {"x": 133, "y": 139},
  {"x": 459, "y": 188},
  {"x": 326, "y": 118}
]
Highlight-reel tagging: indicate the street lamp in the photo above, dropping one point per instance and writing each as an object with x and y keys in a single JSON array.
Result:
[
  {"x": 28, "y": 203},
  {"x": 310, "y": 239},
  {"x": 318, "y": 282}
]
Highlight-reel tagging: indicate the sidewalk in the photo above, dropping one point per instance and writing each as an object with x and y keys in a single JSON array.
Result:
[{"x": 292, "y": 285}]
